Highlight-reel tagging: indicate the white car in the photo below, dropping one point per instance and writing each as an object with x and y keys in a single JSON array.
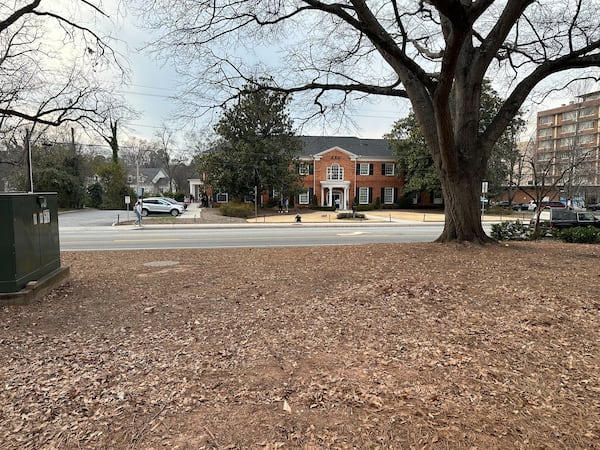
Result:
[
  {"x": 172, "y": 200},
  {"x": 158, "y": 205}
]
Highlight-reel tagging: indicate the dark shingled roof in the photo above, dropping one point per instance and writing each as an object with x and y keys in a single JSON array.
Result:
[{"x": 376, "y": 148}]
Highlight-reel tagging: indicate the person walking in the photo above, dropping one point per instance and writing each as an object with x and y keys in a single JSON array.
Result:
[{"x": 138, "y": 213}]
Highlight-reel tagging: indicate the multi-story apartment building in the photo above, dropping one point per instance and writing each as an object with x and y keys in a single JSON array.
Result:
[{"x": 568, "y": 139}]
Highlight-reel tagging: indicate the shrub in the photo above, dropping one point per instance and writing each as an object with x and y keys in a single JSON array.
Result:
[
  {"x": 243, "y": 210},
  {"x": 510, "y": 231},
  {"x": 405, "y": 202},
  {"x": 349, "y": 215},
  {"x": 94, "y": 195},
  {"x": 365, "y": 208},
  {"x": 578, "y": 235}
]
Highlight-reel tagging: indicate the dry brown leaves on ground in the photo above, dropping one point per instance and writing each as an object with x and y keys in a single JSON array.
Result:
[{"x": 374, "y": 346}]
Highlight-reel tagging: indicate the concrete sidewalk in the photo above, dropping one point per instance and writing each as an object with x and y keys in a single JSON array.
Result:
[{"x": 374, "y": 216}]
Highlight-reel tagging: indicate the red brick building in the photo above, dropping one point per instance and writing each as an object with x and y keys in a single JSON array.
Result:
[{"x": 336, "y": 170}]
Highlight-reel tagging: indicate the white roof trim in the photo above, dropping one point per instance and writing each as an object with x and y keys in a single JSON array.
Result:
[{"x": 350, "y": 154}]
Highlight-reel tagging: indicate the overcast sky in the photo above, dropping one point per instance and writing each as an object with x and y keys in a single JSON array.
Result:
[{"x": 153, "y": 88}]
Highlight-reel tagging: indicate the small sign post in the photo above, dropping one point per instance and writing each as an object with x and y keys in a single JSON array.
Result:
[
  {"x": 484, "y": 190},
  {"x": 127, "y": 203}
]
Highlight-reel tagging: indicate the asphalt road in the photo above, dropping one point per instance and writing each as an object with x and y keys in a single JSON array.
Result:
[
  {"x": 93, "y": 217},
  {"x": 126, "y": 238},
  {"x": 93, "y": 230}
]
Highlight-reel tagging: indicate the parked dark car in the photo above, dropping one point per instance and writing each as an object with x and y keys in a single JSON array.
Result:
[
  {"x": 594, "y": 207},
  {"x": 520, "y": 207},
  {"x": 503, "y": 203},
  {"x": 560, "y": 218}
]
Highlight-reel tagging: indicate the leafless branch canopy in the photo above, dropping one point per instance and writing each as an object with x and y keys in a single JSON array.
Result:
[
  {"x": 431, "y": 52},
  {"x": 52, "y": 64},
  {"x": 436, "y": 53}
]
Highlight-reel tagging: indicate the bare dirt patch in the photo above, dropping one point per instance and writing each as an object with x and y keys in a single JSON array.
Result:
[{"x": 374, "y": 346}]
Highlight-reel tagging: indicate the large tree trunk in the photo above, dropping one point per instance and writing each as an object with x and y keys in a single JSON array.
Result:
[{"x": 462, "y": 209}]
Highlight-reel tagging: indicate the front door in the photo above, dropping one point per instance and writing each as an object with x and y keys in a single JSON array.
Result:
[{"x": 338, "y": 199}]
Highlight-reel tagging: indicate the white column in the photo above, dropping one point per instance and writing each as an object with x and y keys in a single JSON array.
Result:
[{"x": 346, "y": 198}]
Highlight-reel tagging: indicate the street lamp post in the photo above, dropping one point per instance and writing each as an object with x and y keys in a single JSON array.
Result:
[{"x": 29, "y": 163}]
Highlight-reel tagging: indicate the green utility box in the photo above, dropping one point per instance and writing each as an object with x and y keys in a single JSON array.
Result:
[{"x": 29, "y": 241}]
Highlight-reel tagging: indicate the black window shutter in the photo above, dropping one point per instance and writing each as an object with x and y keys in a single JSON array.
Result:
[
  {"x": 370, "y": 169},
  {"x": 357, "y": 169},
  {"x": 311, "y": 169},
  {"x": 383, "y": 169},
  {"x": 371, "y": 192},
  {"x": 382, "y": 196},
  {"x": 310, "y": 195}
]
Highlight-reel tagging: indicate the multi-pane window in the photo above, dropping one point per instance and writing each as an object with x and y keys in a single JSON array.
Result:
[
  {"x": 586, "y": 139},
  {"x": 304, "y": 198},
  {"x": 587, "y": 125},
  {"x": 589, "y": 111},
  {"x": 304, "y": 168},
  {"x": 545, "y": 144},
  {"x": 364, "y": 168},
  {"x": 388, "y": 169},
  {"x": 568, "y": 128},
  {"x": 363, "y": 195},
  {"x": 388, "y": 195},
  {"x": 545, "y": 132},
  {"x": 569, "y": 115},
  {"x": 335, "y": 172},
  {"x": 545, "y": 120},
  {"x": 567, "y": 142},
  {"x": 544, "y": 156}
]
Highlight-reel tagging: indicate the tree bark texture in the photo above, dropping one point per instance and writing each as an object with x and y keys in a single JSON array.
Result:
[{"x": 462, "y": 209}]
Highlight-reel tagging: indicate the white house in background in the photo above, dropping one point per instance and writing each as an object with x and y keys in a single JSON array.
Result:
[{"x": 152, "y": 179}]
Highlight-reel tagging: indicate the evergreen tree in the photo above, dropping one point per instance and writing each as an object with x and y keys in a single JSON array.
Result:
[
  {"x": 256, "y": 146},
  {"x": 416, "y": 164}
]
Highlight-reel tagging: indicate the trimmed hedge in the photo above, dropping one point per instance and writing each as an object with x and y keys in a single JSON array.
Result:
[
  {"x": 578, "y": 235},
  {"x": 243, "y": 210},
  {"x": 351, "y": 216}
]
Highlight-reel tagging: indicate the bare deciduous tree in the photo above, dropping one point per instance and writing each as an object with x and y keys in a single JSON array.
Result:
[
  {"x": 435, "y": 53},
  {"x": 550, "y": 171},
  {"x": 51, "y": 64}
]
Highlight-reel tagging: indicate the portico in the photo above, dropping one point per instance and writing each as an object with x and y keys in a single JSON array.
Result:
[{"x": 332, "y": 190}]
